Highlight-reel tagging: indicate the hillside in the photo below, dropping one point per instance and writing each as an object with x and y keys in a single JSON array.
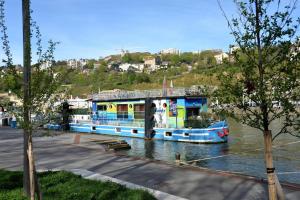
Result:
[
  {"x": 83, "y": 77},
  {"x": 83, "y": 84}
]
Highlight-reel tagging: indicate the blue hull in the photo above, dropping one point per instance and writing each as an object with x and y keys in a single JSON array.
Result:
[{"x": 216, "y": 133}]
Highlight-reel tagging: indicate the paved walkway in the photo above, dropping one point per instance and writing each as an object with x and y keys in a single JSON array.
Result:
[{"x": 187, "y": 182}]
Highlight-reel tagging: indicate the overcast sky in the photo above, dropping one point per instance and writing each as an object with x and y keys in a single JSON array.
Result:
[{"x": 94, "y": 28}]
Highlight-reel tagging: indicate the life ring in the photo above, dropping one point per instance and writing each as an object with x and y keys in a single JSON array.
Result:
[{"x": 223, "y": 133}]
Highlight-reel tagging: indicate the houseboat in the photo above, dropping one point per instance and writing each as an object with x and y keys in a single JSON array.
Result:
[{"x": 179, "y": 114}]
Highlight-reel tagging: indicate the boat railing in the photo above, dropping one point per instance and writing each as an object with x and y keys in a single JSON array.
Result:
[
  {"x": 196, "y": 123},
  {"x": 155, "y": 93},
  {"x": 203, "y": 120},
  {"x": 120, "y": 122}
]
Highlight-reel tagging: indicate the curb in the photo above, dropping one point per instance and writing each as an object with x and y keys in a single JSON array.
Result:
[{"x": 95, "y": 176}]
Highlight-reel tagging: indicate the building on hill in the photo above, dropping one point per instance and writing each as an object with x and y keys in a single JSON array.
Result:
[
  {"x": 130, "y": 67},
  {"x": 152, "y": 60},
  {"x": 46, "y": 65},
  {"x": 74, "y": 63},
  {"x": 114, "y": 66},
  {"x": 97, "y": 65},
  {"x": 190, "y": 68},
  {"x": 152, "y": 63},
  {"x": 124, "y": 67},
  {"x": 140, "y": 67},
  {"x": 233, "y": 48},
  {"x": 220, "y": 57},
  {"x": 83, "y": 62},
  {"x": 165, "y": 64},
  {"x": 295, "y": 49},
  {"x": 14, "y": 99},
  {"x": 170, "y": 51},
  {"x": 107, "y": 58}
]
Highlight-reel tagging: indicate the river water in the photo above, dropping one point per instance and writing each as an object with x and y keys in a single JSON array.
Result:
[{"x": 243, "y": 153}]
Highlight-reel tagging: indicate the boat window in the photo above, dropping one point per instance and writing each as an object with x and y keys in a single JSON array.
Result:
[
  {"x": 192, "y": 113},
  {"x": 139, "y": 111},
  {"x": 117, "y": 130},
  {"x": 122, "y": 111},
  {"x": 134, "y": 131},
  {"x": 168, "y": 134},
  {"x": 101, "y": 107}
]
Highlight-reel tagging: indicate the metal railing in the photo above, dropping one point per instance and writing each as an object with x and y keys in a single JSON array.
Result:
[
  {"x": 197, "y": 123},
  {"x": 120, "y": 122},
  {"x": 141, "y": 94}
]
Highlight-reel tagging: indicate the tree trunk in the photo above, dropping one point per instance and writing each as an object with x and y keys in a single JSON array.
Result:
[
  {"x": 269, "y": 165},
  {"x": 26, "y": 186},
  {"x": 31, "y": 168},
  {"x": 26, "y": 98}
]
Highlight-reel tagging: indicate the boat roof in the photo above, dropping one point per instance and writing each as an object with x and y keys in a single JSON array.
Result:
[{"x": 143, "y": 94}]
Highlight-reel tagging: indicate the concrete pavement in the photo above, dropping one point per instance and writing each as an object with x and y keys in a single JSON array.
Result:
[{"x": 187, "y": 182}]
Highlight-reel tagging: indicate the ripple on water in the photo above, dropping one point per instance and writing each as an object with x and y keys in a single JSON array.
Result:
[{"x": 243, "y": 153}]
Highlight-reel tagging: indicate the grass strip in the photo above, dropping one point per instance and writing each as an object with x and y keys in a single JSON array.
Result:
[{"x": 67, "y": 186}]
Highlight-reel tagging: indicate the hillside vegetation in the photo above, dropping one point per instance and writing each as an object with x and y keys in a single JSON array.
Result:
[{"x": 184, "y": 70}]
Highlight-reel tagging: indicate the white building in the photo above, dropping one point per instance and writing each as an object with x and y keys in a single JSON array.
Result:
[
  {"x": 73, "y": 63},
  {"x": 220, "y": 57},
  {"x": 83, "y": 62},
  {"x": 124, "y": 67},
  {"x": 233, "y": 48},
  {"x": 295, "y": 50},
  {"x": 133, "y": 67},
  {"x": 190, "y": 68},
  {"x": 140, "y": 67},
  {"x": 170, "y": 51},
  {"x": 46, "y": 65},
  {"x": 78, "y": 103},
  {"x": 153, "y": 68}
]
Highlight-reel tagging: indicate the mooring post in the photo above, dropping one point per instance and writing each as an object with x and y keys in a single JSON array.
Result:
[
  {"x": 177, "y": 158},
  {"x": 77, "y": 139}
]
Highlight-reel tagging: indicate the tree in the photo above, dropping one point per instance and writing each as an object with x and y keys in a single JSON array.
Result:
[
  {"x": 127, "y": 58},
  {"x": 90, "y": 64},
  {"x": 268, "y": 59},
  {"x": 36, "y": 90},
  {"x": 187, "y": 58}
]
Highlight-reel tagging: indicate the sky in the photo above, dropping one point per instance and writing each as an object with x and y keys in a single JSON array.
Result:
[{"x": 97, "y": 28}]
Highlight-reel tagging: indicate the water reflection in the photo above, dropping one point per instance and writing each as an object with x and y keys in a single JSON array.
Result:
[
  {"x": 149, "y": 148},
  {"x": 243, "y": 153}
]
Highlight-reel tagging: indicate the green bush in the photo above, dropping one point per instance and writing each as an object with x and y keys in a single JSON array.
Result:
[{"x": 10, "y": 180}]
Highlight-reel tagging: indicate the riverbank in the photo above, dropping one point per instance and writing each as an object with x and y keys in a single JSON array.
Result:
[{"x": 184, "y": 181}]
